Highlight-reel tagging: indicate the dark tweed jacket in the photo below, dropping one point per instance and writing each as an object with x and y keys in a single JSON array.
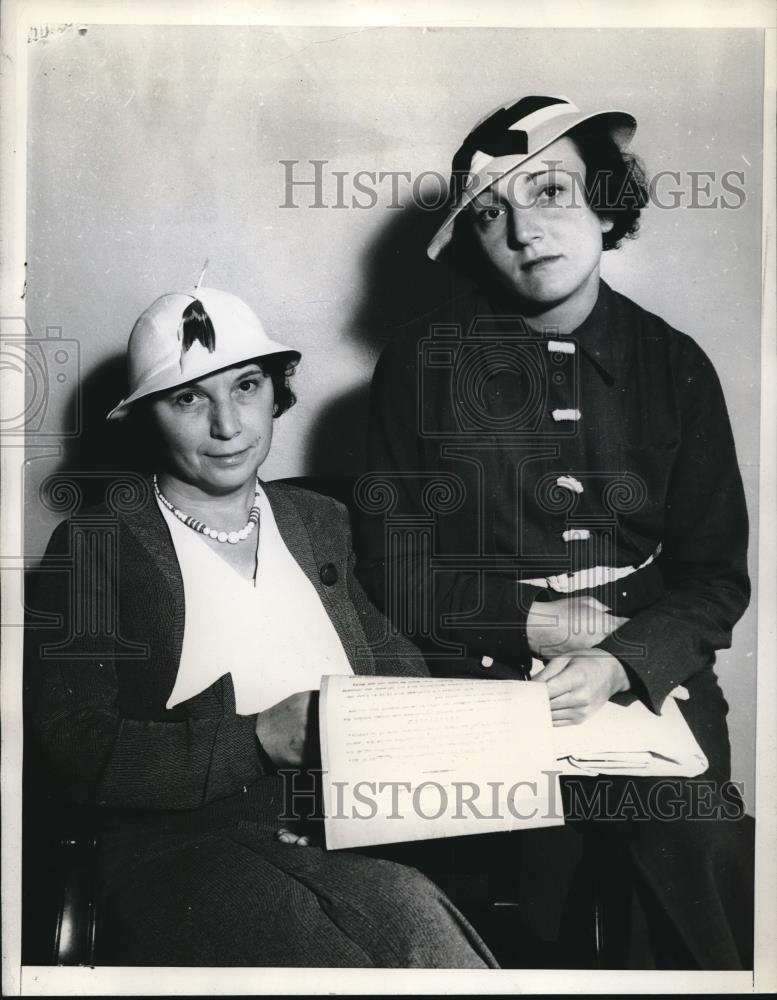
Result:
[{"x": 96, "y": 702}]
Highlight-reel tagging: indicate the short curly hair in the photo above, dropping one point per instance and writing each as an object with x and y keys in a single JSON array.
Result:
[
  {"x": 280, "y": 368},
  {"x": 616, "y": 187}
]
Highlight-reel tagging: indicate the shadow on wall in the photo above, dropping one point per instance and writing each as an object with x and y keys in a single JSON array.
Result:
[
  {"x": 335, "y": 442},
  {"x": 104, "y": 449},
  {"x": 400, "y": 283}
]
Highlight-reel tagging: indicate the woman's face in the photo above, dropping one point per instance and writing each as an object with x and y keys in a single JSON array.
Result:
[
  {"x": 216, "y": 432},
  {"x": 534, "y": 226}
]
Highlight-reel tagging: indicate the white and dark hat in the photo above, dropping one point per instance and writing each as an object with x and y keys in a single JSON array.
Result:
[
  {"x": 508, "y": 136},
  {"x": 161, "y": 354}
]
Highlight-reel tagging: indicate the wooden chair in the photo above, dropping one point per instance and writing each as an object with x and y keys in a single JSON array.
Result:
[{"x": 59, "y": 896}]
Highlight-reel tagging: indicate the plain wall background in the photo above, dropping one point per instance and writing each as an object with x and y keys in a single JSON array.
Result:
[{"x": 153, "y": 148}]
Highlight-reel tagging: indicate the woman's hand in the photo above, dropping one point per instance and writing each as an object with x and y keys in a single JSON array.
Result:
[
  {"x": 288, "y": 731},
  {"x": 578, "y": 685},
  {"x": 286, "y": 836},
  {"x": 555, "y": 628}
]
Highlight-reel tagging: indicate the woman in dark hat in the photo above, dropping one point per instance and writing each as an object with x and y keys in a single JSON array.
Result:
[
  {"x": 225, "y": 601},
  {"x": 601, "y": 543}
]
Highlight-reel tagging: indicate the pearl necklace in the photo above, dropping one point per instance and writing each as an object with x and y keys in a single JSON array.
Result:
[{"x": 233, "y": 537}]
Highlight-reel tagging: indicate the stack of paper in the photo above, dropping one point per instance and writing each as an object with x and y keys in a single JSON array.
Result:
[
  {"x": 625, "y": 737},
  {"x": 413, "y": 758}
]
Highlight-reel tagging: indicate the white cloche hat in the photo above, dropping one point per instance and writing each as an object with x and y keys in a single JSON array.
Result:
[{"x": 160, "y": 354}]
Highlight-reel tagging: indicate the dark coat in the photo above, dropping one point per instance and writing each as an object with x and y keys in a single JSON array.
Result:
[
  {"x": 97, "y": 704},
  {"x": 190, "y": 871},
  {"x": 462, "y": 501},
  {"x": 653, "y": 450}
]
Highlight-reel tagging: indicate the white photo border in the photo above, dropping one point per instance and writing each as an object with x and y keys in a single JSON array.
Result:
[{"x": 18, "y": 18}]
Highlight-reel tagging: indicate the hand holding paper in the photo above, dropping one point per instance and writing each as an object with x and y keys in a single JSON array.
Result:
[{"x": 580, "y": 684}]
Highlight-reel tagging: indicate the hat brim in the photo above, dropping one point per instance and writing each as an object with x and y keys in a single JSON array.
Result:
[
  {"x": 622, "y": 127},
  {"x": 167, "y": 379}
]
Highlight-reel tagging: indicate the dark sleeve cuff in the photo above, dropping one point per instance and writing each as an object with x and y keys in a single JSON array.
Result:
[{"x": 648, "y": 685}]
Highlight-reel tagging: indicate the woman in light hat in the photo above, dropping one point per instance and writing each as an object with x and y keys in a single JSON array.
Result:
[
  {"x": 239, "y": 596},
  {"x": 594, "y": 454}
]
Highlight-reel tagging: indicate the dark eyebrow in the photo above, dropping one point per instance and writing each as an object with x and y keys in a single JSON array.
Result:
[
  {"x": 253, "y": 369},
  {"x": 549, "y": 170}
]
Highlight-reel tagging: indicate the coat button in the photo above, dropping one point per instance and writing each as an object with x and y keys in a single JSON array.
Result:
[{"x": 328, "y": 574}]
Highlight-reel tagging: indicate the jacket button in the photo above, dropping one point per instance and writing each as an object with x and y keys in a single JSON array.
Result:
[{"x": 328, "y": 574}]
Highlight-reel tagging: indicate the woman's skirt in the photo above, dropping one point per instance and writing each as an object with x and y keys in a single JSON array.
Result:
[{"x": 216, "y": 888}]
